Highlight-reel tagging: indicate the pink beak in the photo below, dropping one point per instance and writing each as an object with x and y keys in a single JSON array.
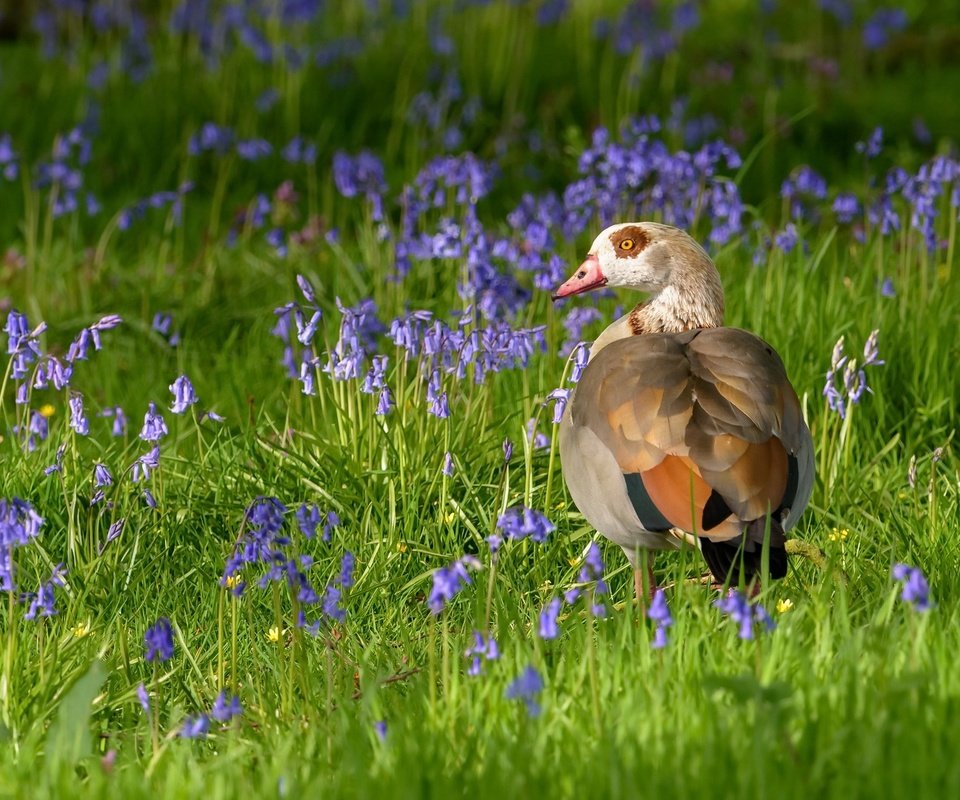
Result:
[{"x": 587, "y": 277}]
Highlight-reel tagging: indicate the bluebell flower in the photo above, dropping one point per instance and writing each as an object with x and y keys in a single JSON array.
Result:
[
  {"x": 101, "y": 475},
  {"x": 520, "y": 522},
  {"x": 149, "y": 499},
  {"x": 847, "y": 207},
  {"x": 119, "y": 427},
  {"x": 884, "y": 22},
  {"x": 333, "y": 521},
  {"x": 448, "y": 581},
  {"x": 195, "y": 727},
  {"x": 527, "y": 687},
  {"x": 143, "y": 697},
  {"x": 380, "y": 728},
  {"x": 549, "y": 628},
  {"x": 43, "y": 603},
  {"x": 559, "y": 398},
  {"x": 57, "y": 465},
  {"x": 253, "y": 149},
  {"x": 347, "y": 564},
  {"x": 581, "y": 357},
  {"x": 143, "y": 466},
  {"x": 887, "y": 288},
  {"x": 448, "y": 465},
  {"x": 384, "y": 402},
  {"x": 738, "y": 607},
  {"x": 507, "y": 451},
  {"x": 78, "y": 420},
  {"x": 786, "y": 239},
  {"x": 183, "y": 394},
  {"x": 331, "y": 604},
  {"x": 154, "y": 427},
  {"x": 225, "y": 709},
  {"x": 113, "y": 532},
  {"x": 846, "y": 380},
  {"x": 210, "y": 138},
  {"x": 484, "y": 648},
  {"x": 308, "y": 518},
  {"x": 916, "y": 590},
  {"x": 659, "y": 612},
  {"x": 440, "y": 408},
  {"x": 159, "y": 641}
]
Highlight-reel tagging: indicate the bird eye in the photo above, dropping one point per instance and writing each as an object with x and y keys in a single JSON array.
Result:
[
  {"x": 626, "y": 244},
  {"x": 581, "y": 273}
]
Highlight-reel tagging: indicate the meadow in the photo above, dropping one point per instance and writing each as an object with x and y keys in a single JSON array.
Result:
[{"x": 281, "y": 512}]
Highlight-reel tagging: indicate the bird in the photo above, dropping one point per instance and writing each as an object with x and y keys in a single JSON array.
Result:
[{"x": 680, "y": 429}]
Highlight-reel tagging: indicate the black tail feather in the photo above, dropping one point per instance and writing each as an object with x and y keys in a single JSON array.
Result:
[{"x": 742, "y": 557}]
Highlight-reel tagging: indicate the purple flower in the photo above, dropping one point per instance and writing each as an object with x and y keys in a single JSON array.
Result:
[
  {"x": 144, "y": 698},
  {"x": 440, "y": 408},
  {"x": 345, "y": 578},
  {"x": 507, "y": 451},
  {"x": 786, "y": 239},
  {"x": 119, "y": 420},
  {"x": 527, "y": 687},
  {"x": 448, "y": 581},
  {"x": 548, "y": 619},
  {"x": 308, "y": 518},
  {"x": 883, "y": 23},
  {"x": 333, "y": 521},
  {"x": 159, "y": 641},
  {"x": 448, "y": 466},
  {"x": 142, "y": 466},
  {"x": 660, "y": 614},
  {"x": 560, "y": 398},
  {"x": 738, "y": 608},
  {"x": 538, "y": 440},
  {"x": 846, "y": 207},
  {"x": 154, "y": 428},
  {"x": 57, "y": 465},
  {"x": 43, "y": 603},
  {"x": 225, "y": 710},
  {"x": 195, "y": 727},
  {"x": 915, "y": 590},
  {"x": 483, "y": 648},
  {"x": 520, "y": 522},
  {"x": 101, "y": 475},
  {"x": 872, "y": 147},
  {"x": 380, "y": 728},
  {"x": 183, "y": 395},
  {"x": 113, "y": 532},
  {"x": 331, "y": 604},
  {"x": 581, "y": 357},
  {"x": 385, "y": 402},
  {"x": 78, "y": 420}
]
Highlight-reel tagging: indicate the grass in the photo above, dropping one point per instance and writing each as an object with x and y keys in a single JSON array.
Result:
[{"x": 853, "y": 694}]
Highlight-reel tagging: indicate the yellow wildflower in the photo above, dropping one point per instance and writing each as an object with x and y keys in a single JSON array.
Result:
[
  {"x": 783, "y": 606},
  {"x": 273, "y": 635},
  {"x": 81, "y": 629},
  {"x": 47, "y": 410},
  {"x": 401, "y": 547},
  {"x": 232, "y": 581},
  {"x": 839, "y": 535}
]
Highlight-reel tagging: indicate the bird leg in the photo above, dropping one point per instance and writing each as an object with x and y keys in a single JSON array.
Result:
[{"x": 644, "y": 596}]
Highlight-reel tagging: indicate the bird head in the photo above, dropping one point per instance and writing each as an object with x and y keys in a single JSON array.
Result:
[{"x": 646, "y": 256}]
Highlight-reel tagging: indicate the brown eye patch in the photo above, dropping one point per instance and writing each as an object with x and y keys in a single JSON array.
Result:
[{"x": 629, "y": 242}]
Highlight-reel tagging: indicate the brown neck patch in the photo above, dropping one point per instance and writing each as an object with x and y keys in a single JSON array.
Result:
[
  {"x": 636, "y": 321},
  {"x": 629, "y": 242}
]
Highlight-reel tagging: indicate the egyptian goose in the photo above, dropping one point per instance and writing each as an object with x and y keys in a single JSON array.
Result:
[{"x": 681, "y": 429}]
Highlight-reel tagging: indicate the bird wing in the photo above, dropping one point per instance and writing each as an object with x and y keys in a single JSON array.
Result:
[{"x": 703, "y": 425}]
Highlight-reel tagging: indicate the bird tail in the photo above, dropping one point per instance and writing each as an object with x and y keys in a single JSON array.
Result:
[{"x": 741, "y": 558}]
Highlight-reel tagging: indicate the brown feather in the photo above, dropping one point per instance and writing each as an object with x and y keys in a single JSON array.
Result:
[{"x": 709, "y": 409}]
